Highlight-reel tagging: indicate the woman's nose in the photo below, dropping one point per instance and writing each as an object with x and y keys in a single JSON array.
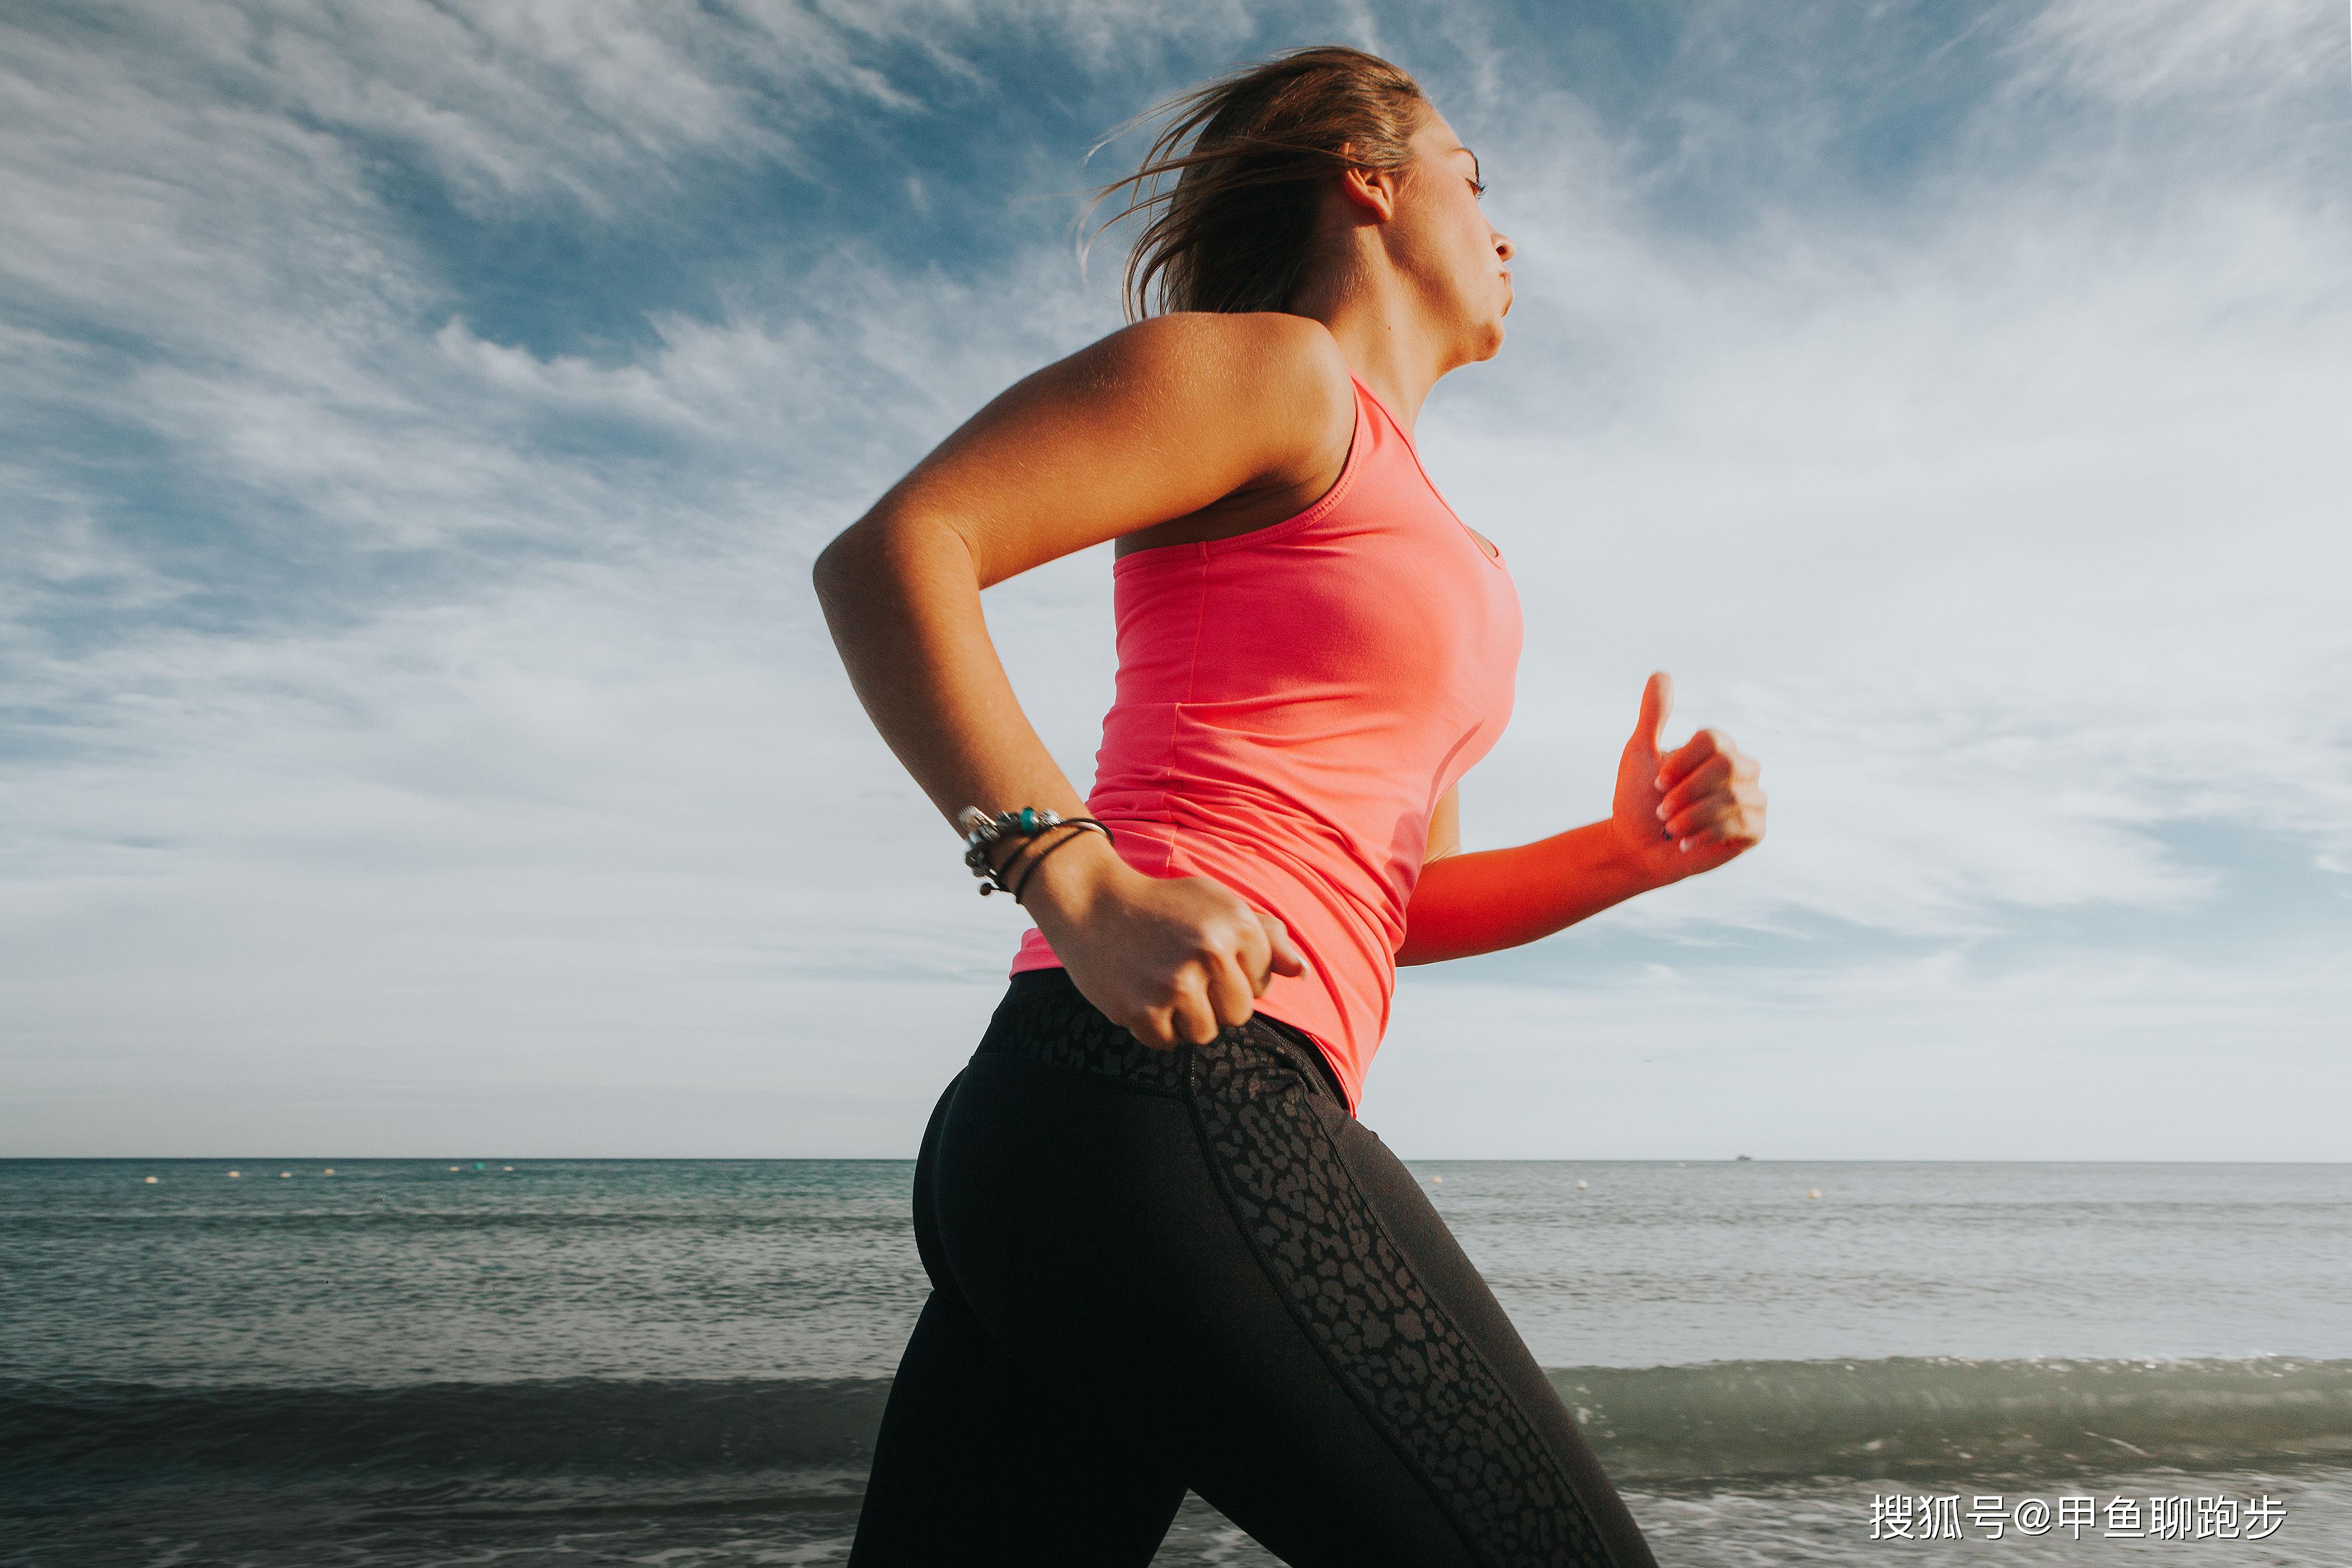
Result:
[{"x": 1503, "y": 247}]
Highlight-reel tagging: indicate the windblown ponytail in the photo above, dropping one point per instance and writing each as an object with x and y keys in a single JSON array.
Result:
[{"x": 1236, "y": 231}]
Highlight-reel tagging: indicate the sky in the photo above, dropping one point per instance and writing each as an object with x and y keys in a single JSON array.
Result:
[{"x": 417, "y": 734}]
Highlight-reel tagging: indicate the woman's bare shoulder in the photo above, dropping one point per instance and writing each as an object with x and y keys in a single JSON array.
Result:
[
  {"x": 1079, "y": 452},
  {"x": 1259, "y": 369}
]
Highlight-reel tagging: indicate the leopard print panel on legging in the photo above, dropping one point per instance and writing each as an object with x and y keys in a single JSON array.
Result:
[
  {"x": 1419, "y": 1378},
  {"x": 1413, "y": 1370}
]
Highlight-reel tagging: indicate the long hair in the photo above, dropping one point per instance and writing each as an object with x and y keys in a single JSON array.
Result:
[{"x": 1249, "y": 152}]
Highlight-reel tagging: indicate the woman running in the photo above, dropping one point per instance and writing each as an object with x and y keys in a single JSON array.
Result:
[{"x": 1163, "y": 1253}]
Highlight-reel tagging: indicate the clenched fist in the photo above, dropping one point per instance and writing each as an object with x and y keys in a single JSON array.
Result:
[
  {"x": 1681, "y": 813},
  {"x": 1170, "y": 959}
]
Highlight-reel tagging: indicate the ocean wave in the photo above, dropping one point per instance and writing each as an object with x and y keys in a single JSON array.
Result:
[
  {"x": 568, "y": 1424},
  {"x": 1904, "y": 1415},
  {"x": 1713, "y": 1421}
]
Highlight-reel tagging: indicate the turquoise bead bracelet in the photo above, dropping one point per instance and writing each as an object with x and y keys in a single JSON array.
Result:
[{"x": 981, "y": 831}]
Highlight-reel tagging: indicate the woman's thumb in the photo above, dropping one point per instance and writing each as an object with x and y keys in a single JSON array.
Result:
[{"x": 1657, "y": 701}]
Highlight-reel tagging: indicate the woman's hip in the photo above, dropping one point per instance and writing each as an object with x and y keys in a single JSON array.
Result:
[
  {"x": 1045, "y": 1021},
  {"x": 1072, "y": 1174}
]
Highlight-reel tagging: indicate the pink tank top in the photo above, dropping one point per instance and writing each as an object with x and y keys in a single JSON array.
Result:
[{"x": 1291, "y": 705}]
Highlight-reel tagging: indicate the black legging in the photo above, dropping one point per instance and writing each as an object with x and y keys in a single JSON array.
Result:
[{"x": 1156, "y": 1269}]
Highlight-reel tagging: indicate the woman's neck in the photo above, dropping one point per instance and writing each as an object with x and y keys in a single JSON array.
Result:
[{"x": 1387, "y": 341}]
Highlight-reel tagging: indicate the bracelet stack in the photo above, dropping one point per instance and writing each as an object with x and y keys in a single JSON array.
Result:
[{"x": 982, "y": 832}]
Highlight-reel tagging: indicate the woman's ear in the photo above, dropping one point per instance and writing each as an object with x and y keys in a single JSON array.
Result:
[{"x": 1372, "y": 191}]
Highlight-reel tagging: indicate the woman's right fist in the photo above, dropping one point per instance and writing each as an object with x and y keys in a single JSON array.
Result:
[{"x": 1170, "y": 959}]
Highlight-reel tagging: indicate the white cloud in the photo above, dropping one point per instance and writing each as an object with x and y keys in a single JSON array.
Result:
[
  {"x": 2083, "y": 1056},
  {"x": 2167, "y": 48},
  {"x": 1998, "y": 525},
  {"x": 479, "y": 738}
]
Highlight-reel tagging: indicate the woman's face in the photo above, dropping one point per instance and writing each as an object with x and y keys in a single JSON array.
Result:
[{"x": 1445, "y": 242}]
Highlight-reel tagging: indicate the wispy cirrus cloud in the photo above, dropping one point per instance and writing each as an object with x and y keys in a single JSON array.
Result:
[
  {"x": 2267, "y": 51},
  {"x": 412, "y": 678}
]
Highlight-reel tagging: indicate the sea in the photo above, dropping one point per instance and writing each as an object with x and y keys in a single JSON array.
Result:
[{"x": 476, "y": 1359}]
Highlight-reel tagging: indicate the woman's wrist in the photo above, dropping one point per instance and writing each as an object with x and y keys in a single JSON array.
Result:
[
  {"x": 1643, "y": 867},
  {"x": 1061, "y": 890},
  {"x": 999, "y": 849}
]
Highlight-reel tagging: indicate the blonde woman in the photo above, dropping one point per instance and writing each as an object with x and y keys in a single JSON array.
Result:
[{"x": 1164, "y": 1253}]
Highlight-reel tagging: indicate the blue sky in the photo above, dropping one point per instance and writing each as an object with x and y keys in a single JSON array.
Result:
[{"x": 416, "y": 732}]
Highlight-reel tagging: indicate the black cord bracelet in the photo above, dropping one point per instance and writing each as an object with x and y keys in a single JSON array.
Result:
[
  {"x": 982, "y": 832},
  {"x": 1039, "y": 858}
]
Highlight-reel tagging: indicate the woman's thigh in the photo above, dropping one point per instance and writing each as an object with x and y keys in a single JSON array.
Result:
[
  {"x": 979, "y": 1462},
  {"x": 1437, "y": 1438},
  {"x": 1208, "y": 1255},
  {"x": 972, "y": 1467}
]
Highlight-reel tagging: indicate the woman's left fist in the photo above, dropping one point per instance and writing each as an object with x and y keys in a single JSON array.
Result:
[{"x": 1682, "y": 813}]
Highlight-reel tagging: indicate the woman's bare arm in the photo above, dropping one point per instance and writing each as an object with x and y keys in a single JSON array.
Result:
[
  {"x": 1153, "y": 423},
  {"x": 1491, "y": 899},
  {"x": 1673, "y": 815}
]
